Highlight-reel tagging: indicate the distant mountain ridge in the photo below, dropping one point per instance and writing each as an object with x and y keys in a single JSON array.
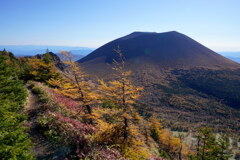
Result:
[
  {"x": 234, "y": 56},
  {"x": 236, "y": 59},
  {"x": 31, "y": 50},
  {"x": 230, "y": 54},
  {"x": 166, "y": 49}
]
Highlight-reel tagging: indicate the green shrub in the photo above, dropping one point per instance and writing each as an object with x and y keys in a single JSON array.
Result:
[{"x": 14, "y": 140}]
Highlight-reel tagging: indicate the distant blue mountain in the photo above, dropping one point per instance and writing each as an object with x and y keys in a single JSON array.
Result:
[
  {"x": 234, "y": 56},
  {"x": 236, "y": 59},
  {"x": 31, "y": 50},
  {"x": 76, "y": 57},
  {"x": 230, "y": 54}
]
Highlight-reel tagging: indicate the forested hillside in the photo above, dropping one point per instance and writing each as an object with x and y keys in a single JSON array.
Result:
[{"x": 81, "y": 117}]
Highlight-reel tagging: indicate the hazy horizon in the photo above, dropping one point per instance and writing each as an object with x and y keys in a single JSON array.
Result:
[
  {"x": 30, "y": 50},
  {"x": 2, "y": 46}
]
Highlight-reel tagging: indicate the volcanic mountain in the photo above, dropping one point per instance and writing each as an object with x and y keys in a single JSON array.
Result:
[
  {"x": 185, "y": 83},
  {"x": 169, "y": 49}
]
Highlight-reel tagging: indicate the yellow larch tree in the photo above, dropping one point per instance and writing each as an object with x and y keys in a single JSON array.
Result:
[
  {"x": 75, "y": 84},
  {"x": 42, "y": 70},
  {"x": 155, "y": 128},
  {"x": 121, "y": 92},
  {"x": 169, "y": 145}
]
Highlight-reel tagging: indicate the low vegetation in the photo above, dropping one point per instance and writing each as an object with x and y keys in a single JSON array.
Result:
[
  {"x": 14, "y": 140},
  {"x": 91, "y": 119}
]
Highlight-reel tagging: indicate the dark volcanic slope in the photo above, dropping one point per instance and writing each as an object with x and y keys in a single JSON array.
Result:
[
  {"x": 167, "y": 49},
  {"x": 186, "y": 84}
]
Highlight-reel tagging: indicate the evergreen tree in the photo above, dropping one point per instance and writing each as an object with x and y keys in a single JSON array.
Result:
[
  {"x": 223, "y": 144},
  {"x": 209, "y": 147},
  {"x": 14, "y": 141}
]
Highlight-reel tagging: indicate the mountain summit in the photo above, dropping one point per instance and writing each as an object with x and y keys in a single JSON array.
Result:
[{"x": 169, "y": 49}]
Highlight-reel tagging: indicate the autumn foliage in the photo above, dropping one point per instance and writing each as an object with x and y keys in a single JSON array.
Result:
[{"x": 98, "y": 119}]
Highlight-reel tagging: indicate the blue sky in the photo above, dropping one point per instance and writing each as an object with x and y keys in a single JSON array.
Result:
[{"x": 92, "y": 23}]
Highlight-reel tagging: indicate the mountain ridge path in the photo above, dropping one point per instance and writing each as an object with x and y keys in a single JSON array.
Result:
[{"x": 42, "y": 148}]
